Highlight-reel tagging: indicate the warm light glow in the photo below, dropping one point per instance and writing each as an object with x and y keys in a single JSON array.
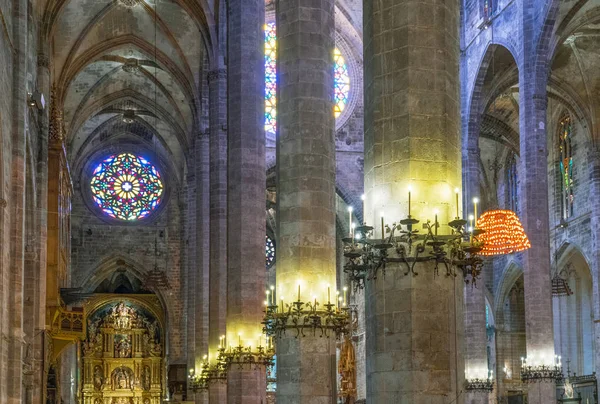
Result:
[
  {"x": 503, "y": 234},
  {"x": 456, "y": 190},
  {"x": 350, "y": 209},
  {"x": 475, "y": 200},
  {"x": 363, "y": 197}
]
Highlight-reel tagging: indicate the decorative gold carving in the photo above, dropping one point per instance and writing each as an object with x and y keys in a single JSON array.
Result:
[
  {"x": 123, "y": 353},
  {"x": 55, "y": 133},
  {"x": 347, "y": 370},
  {"x": 122, "y": 378}
]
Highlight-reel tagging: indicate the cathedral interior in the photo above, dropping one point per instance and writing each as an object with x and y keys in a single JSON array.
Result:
[{"x": 299, "y": 201}]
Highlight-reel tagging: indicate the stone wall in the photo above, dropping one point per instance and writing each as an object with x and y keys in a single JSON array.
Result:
[{"x": 98, "y": 244}]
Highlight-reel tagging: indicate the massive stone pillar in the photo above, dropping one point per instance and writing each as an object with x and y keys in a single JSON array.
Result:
[
  {"x": 414, "y": 323},
  {"x": 476, "y": 366},
  {"x": 246, "y": 202},
  {"x": 594, "y": 161},
  {"x": 14, "y": 334},
  {"x": 533, "y": 196},
  {"x": 305, "y": 191},
  {"x": 217, "y": 83}
]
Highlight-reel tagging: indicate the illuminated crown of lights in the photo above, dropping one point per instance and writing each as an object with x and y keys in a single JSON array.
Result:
[{"x": 504, "y": 233}]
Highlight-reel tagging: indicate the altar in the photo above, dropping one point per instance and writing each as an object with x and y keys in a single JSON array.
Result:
[{"x": 122, "y": 356}]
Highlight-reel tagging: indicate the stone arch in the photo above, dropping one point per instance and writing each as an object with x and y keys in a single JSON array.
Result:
[
  {"x": 475, "y": 104},
  {"x": 106, "y": 267},
  {"x": 573, "y": 315},
  {"x": 509, "y": 277}
]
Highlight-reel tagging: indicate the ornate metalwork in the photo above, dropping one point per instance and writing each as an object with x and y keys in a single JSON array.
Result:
[
  {"x": 541, "y": 373},
  {"x": 482, "y": 385},
  {"x": 368, "y": 257},
  {"x": 302, "y": 317}
]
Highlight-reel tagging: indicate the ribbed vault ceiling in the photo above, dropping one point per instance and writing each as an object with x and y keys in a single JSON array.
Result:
[{"x": 111, "y": 58}]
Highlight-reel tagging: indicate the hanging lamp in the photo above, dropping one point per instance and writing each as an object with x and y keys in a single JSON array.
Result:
[{"x": 503, "y": 233}]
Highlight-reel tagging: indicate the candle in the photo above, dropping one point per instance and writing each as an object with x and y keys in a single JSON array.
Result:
[
  {"x": 345, "y": 293},
  {"x": 268, "y": 297},
  {"x": 315, "y": 300},
  {"x": 475, "y": 202},
  {"x": 298, "y": 292},
  {"x": 273, "y": 294},
  {"x": 350, "y": 209},
  {"x": 409, "y": 194},
  {"x": 382, "y": 228},
  {"x": 352, "y": 228},
  {"x": 470, "y": 221},
  {"x": 456, "y": 191},
  {"x": 436, "y": 221},
  {"x": 328, "y": 294},
  {"x": 339, "y": 302},
  {"x": 240, "y": 339},
  {"x": 282, "y": 304},
  {"x": 363, "y": 197}
]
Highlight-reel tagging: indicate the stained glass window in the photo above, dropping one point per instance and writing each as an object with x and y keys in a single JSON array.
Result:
[
  {"x": 270, "y": 78},
  {"x": 341, "y": 80},
  {"x": 341, "y": 83},
  {"x": 126, "y": 187},
  {"x": 269, "y": 251},
  {"x": 566, "y": 166},
  {"x": 512, "y": 201}
]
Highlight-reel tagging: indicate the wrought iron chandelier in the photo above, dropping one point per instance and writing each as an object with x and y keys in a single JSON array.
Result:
[
  {"x": 367, "y": 256},
  {"x": 541, "y": 371}
]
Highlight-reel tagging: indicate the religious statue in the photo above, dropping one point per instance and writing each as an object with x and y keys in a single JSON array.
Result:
[
  {"x": 146, "y": 380},
  {"x": 122, "y": 378},
  {"x": 123, "y": 347},
  {"x": 98, "y": 378},
  {"x": 569, "y": 393},
  {"x": 122, "y": 316}
]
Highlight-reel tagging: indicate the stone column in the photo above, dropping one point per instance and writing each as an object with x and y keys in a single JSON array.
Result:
[
  {"x": 594, "y": 162},
  {"x": 217, "y": 83},
  {"x": 476, "y": 365},
  {"x": 246, "y": 275},
  {"x": 16, "y": 207},
  {"x": 202, "y": 290},
  {"x": 533, "y": 196},
  {"x": 305, "y": 191},
  {"x": 414, "y": 323}
]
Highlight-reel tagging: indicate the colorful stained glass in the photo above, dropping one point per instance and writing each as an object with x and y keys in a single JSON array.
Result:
[
  {"x": 269, "y": 251},
  {"x": 126, "y": 187},
  {"x": 270, "y": 78},
  {"x": 341, "y": 80},
  {"x": 341, "y": 83},
  {"x": 566, "y": 166}
]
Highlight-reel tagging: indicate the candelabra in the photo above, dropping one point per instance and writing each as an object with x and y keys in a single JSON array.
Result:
[
  {"x": 301, "y": 317},
  {"x": 209, "y": 373},
  {"x": 535, "y": 373},
  {"x": 245, "y": 355},
  {"x": 480, "y": 384},
  {"x": 366, "y": 257}
]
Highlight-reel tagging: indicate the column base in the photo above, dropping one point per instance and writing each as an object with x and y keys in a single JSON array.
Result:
[
  {"x": 414, "y": 336},
  {"x": 541, "y": 393},
  {"x": 306, "y": 371},
  {"x": 246, "y": 385},
  {"x": 477, "y": 397}
]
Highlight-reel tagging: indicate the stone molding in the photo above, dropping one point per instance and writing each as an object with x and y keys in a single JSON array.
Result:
[{"x": 3, "y": 203}]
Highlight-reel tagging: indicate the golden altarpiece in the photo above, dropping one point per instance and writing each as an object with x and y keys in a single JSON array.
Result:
[{"x": 122, "y": 355}]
